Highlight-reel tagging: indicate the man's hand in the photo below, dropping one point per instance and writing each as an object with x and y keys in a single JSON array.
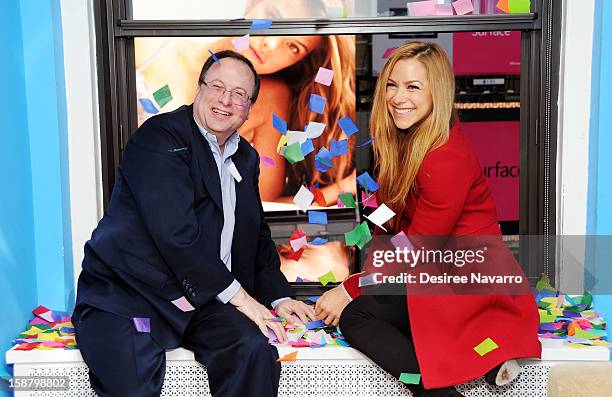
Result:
[
  {"x": 259, "y": 314},
  {"x": 291, "y": 308},
  {"x": 330, "y": 305}
]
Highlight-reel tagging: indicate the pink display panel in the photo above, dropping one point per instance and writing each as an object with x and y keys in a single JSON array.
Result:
[
  {"x": 487, "y": 53},
  {"x": 497, "y": 144}
]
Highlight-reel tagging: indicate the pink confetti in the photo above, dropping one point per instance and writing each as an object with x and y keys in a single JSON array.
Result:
[{"x": 267, "y": 161}]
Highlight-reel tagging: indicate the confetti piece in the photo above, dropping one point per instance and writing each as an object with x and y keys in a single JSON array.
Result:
[
  {"x": 318, "y": 241},
  {"x": 314, "y": 324},
  {"x": 366, "y": 143},
  {"x": 444, "y": 9},
  {"x": 314, "y": 129},
  {"x": 142, "y": 324},
  {"x": 288, "y": 357},
  {"x": 183, "y": 304},
  {"x": 298, "y": 243},
  {"x": 388, "y": 52},
  {"x": 327, "y": 278},
  {"x": 410, "y": 379},
  {"x": 241, "y": 43},
  {"x": 519, "y": 6},
  {"x": 422, "y": 8},
  {"x": 293, "y": 153},
  {"x": 338, "y": 148},
  {"x": 380, "y": 216},
  {"x": 503, "y": 6},
  {"x": 162, "y": 96},
  {"x": 317, "y": 103},
  {"x": 307, "y": 147},
  {"x": 267, "y": 162},
  {"x": 347, "y": 200},
  {"x": 463, "y": 7},
  {"x": 257, "y": 24},
  {"x": 303, "y": 198},
  {"x": 314, "y": 299},
  {"x": 369, "y": 200},
  {"x": 400, "y": 240},
  {"x": 317, "y": 217},
  {"x": 148, "y": 106},
  {"x": 214, "y": 57},
  {"x": 486, "y": 346},
  {"x": 347, "y": 125},
  {"x": 367, "y": 182},
  {"x": 281, "y": 142},
  {"x": 296, "y": 136},
  {"x": 279, "y": 124},
  {"x": 324, "y": 76},
  {"x": 359, "y": 236}
]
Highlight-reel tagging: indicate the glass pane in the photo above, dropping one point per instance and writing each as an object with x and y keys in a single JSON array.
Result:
[{"x": 281, "y": 9}]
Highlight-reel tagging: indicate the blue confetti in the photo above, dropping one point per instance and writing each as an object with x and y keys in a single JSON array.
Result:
[
  {"x": 338, "y": 148},
  {"x": 319, "y": 241},
  {"x": 261, "y": 24},
  {"x": 317, "y": 217},
  {"x": 314, "y": 299},
  {"x": 347, "y": 125},
  {"x": 307, "y": 147},
  {"x": 317, "y": 103},
  {"x": 279, "y": 124},
  {"x": 366, "y": 143},
  {"x": 315, "y": 324},
  {"x": 367, "y": 182},
  {"x": 148, "y": 106},
  {"x": 214, "y": 57}
]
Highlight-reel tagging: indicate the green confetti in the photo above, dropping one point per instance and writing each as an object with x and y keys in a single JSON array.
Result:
[
  {"x": 327, "y": 278},
  {"x": 348, "y": 200},
  {"x": 486, "y": 346},
  {"x": 293, "y": 153},
  {"x": 519, "y": 6},
  {"x": 359, "y": 236},
  {"x": 162, "y": 96},
  {"x": 410, "y": 379},
  {"x": 544, "y": 283}
]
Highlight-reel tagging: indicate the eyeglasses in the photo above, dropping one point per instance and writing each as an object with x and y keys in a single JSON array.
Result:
[{"x": 238, "y": 95}]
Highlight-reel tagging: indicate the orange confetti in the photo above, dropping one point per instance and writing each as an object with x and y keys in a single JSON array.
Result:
[
  {"x": 503, "y": 5},
  {"x": 288, "y": 357}
]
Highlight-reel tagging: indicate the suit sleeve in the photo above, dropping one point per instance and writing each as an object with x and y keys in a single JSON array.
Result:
[
  {"x": 161, "y": 184},
  {"x": 270, "y": 282}
]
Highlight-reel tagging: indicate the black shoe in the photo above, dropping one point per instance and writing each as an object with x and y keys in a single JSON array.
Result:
[{"x": 503, "y": 373}]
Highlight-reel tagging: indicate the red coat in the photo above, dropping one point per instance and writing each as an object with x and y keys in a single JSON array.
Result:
[{"x": 453, "y": 198}]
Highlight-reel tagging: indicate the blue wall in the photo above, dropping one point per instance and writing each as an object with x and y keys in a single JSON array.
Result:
[
  {"x": 35, "y": 239},
  {"x": 17, "y": 261},
  {"x": 599, "y": 209}
]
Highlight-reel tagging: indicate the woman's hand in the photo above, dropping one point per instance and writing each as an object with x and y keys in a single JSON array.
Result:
[
  {"x": 330, "y": 305},
  {"x": 296, "y": 311}
]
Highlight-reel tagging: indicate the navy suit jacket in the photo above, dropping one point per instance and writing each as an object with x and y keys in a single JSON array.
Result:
[{"x": 159, "y": 238}]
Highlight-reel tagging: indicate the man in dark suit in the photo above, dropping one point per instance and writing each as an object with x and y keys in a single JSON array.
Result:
[{"x": 183, "y": 251}]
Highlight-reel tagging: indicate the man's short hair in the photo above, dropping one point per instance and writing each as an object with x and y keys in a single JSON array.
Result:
[{"x": 231, "y": 54}]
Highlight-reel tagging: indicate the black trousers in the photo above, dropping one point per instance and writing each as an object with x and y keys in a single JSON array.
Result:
[
  {"x": 385, "y": 317},
  {"x": 124, "y": 362}
]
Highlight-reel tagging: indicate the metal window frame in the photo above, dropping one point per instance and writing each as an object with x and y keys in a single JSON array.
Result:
[{"x": 115, "y": 31}]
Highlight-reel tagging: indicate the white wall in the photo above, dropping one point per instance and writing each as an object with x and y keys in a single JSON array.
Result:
[
  {"x": 83, "y": 123},
  {"x": 573, "y": 129}
]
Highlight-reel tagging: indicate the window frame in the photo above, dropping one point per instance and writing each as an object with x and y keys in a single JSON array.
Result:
[{"x": 541, "y": 33}]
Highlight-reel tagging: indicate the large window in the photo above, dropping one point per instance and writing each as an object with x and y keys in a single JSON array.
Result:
[{"x": 152, "y": 53}]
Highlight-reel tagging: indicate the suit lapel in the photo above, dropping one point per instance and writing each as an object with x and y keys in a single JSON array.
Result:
[{"x": 207, "y": 165}]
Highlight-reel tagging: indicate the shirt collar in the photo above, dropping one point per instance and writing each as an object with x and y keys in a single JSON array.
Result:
[{"x": 231, "y": 144}]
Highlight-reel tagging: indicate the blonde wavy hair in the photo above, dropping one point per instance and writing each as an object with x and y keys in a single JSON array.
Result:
[
  {"x": 338, "y": 54},
  {"x": 398, "y": 156}
]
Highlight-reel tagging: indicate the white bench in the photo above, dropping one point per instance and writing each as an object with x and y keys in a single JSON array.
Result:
[{"x": 329, "y": 371}]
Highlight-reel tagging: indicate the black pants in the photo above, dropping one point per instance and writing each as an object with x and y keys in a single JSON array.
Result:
[
  {"x": 385, "y": 317},
  {"x": 124, "y": 362}
]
